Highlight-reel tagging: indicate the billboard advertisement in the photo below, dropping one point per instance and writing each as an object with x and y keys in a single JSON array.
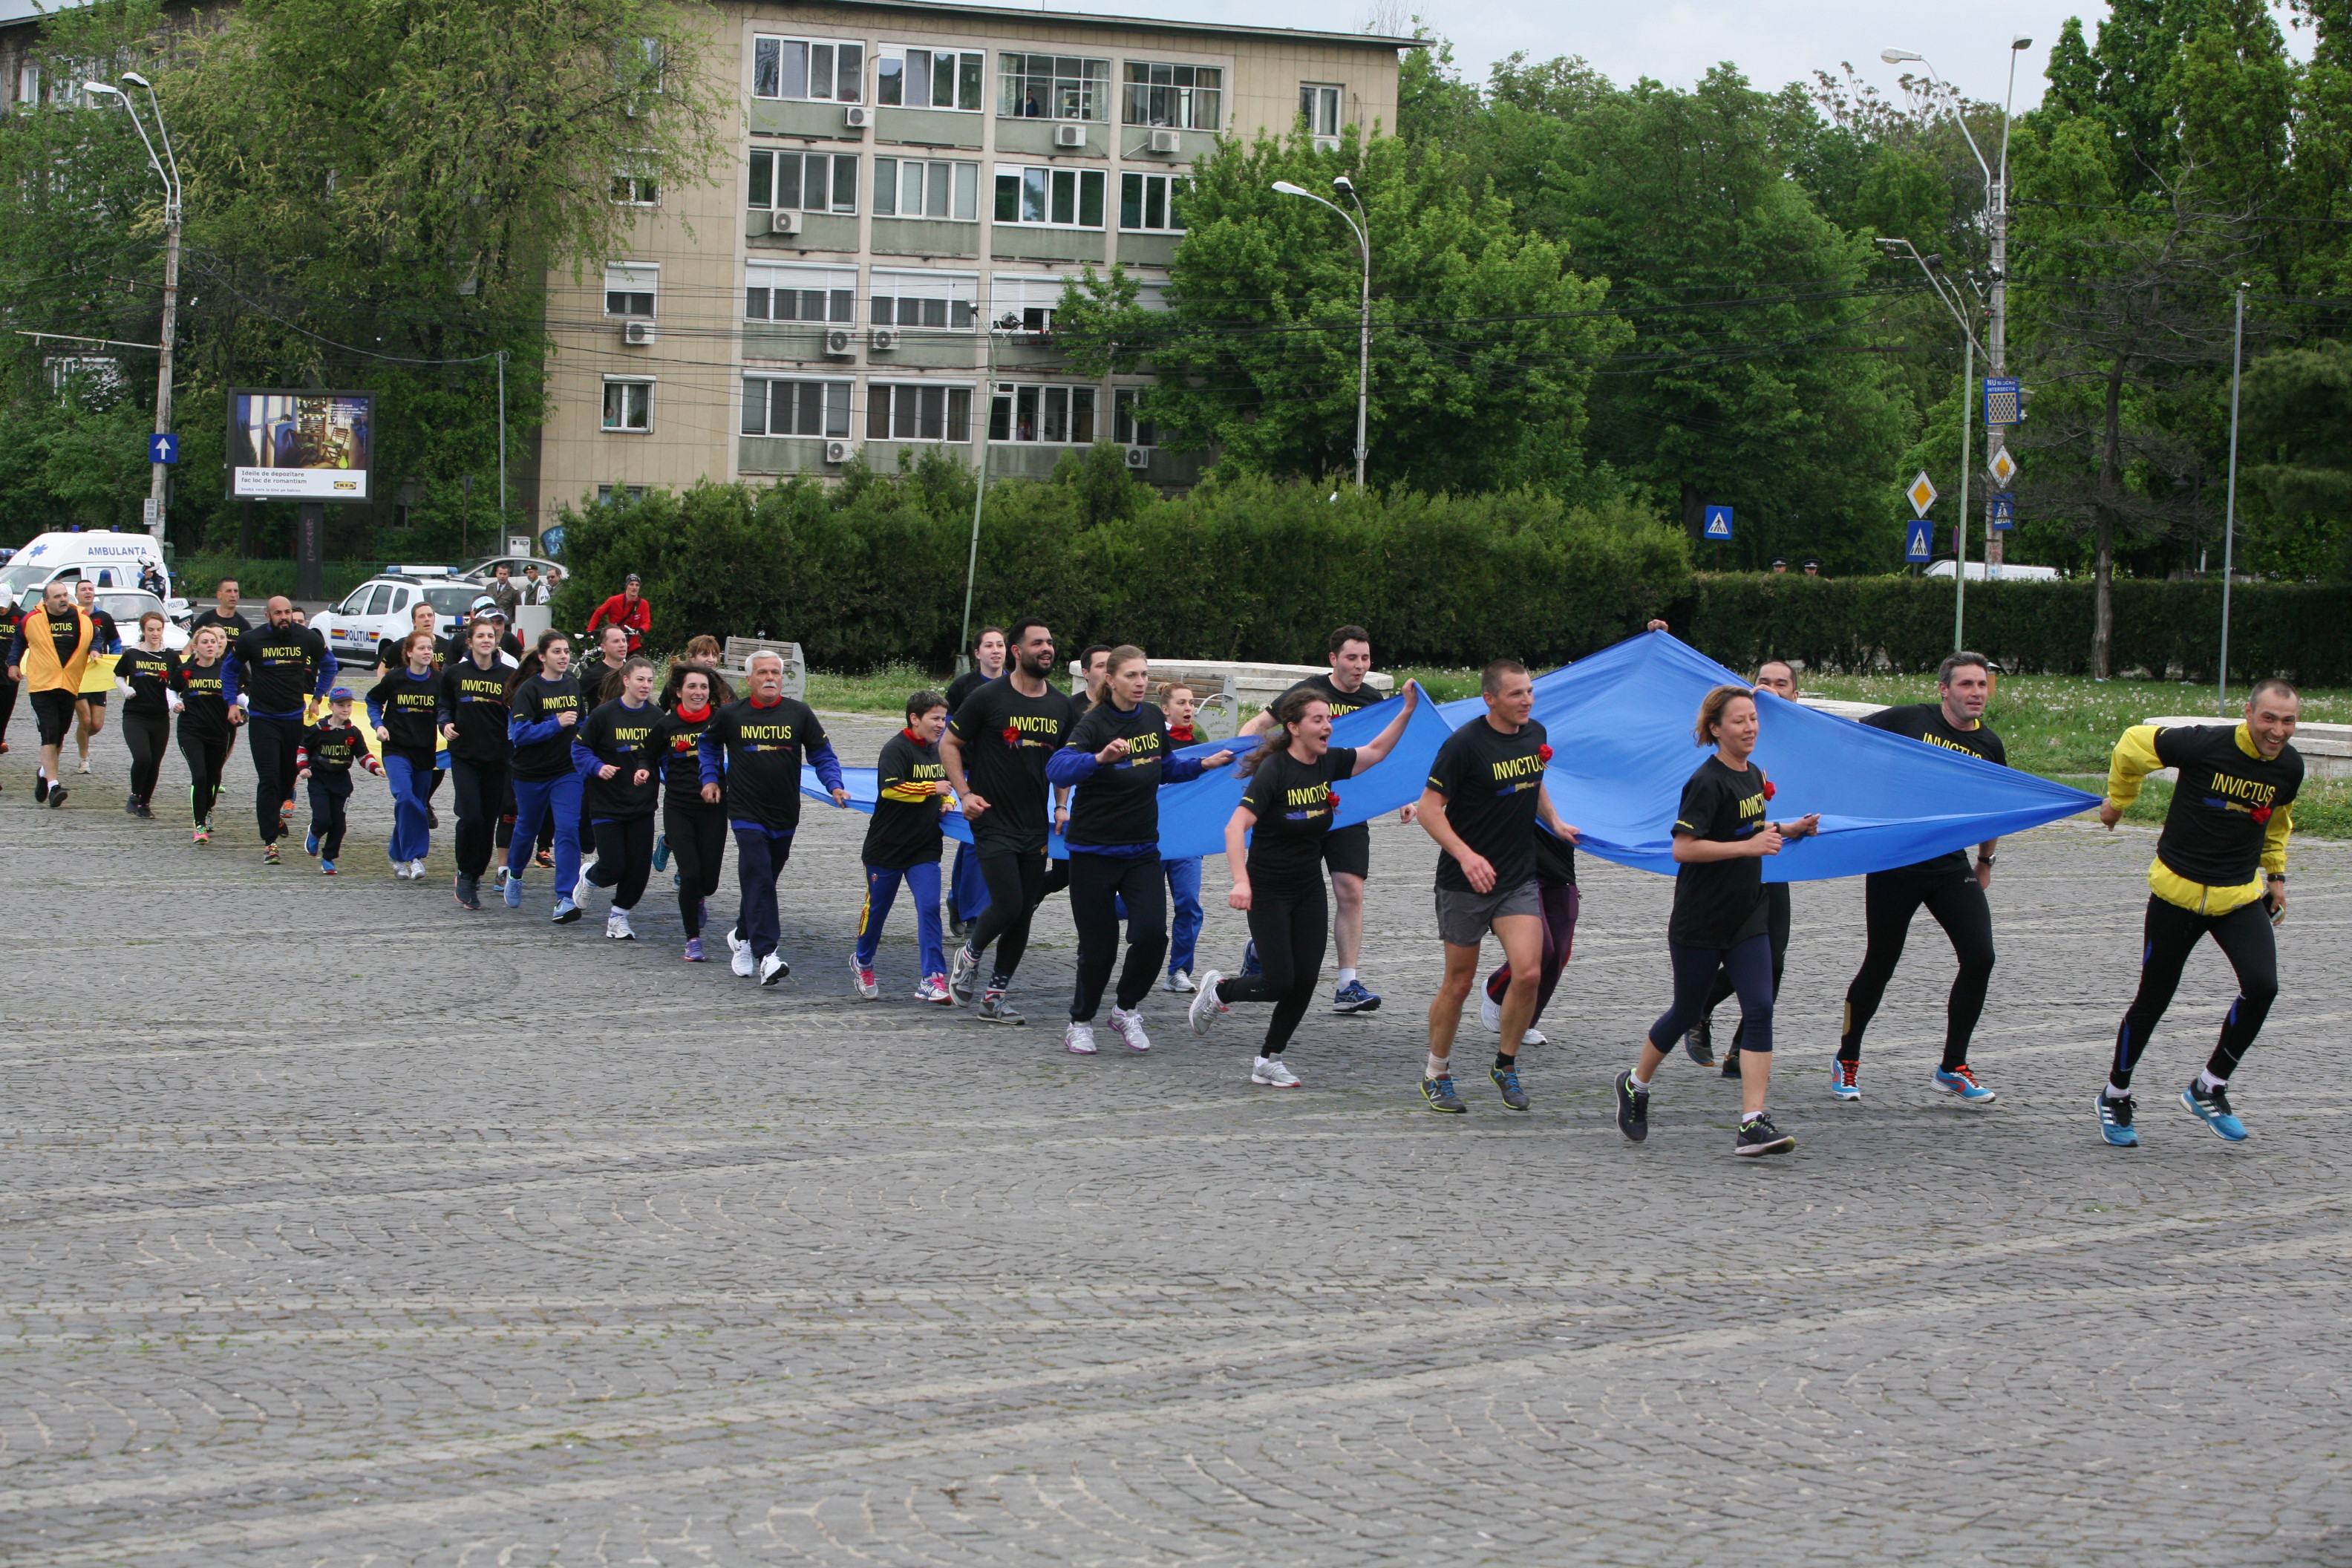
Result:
[{"x": 300, "y": 446}]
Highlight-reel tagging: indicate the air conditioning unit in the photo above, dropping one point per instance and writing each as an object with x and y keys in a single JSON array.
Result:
[
  {"x": 1326, "y": 143},
  {"x": 856, "y": 117},
  {"x": 640, "y": 334},
  {"x": 883, "y": 338},
  {"x": 1165, "y": 142},
  {"x": 1069, "y": 136},
  {"x": 784, "y": 223},
  {"x": 840, "y": 344},
  {"x": 839, "y": 452},
  {"x": 1139, "y": 456}
]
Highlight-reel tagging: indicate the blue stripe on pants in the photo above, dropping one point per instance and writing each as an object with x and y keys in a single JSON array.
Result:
[
  {"x": 411, "y": 837},
  {"x": 882, "y": 892},
  {"x": 760, "y": 857},
  {"x": 536, "y": 800}
]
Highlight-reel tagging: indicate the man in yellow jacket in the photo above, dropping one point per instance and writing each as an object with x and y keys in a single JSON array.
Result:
[
  {"x": 48, "y": 654},
  {"x": 2219, "y": 871}
]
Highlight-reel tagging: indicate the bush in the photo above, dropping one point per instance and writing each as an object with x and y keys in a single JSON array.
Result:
[{"x": 196, "y": 577}]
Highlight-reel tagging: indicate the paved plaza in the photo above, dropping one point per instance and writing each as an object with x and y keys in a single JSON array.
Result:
[{"x": 345, "y": 1227}]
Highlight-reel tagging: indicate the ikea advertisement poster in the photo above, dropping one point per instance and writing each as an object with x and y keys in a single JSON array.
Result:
[{"x": 300, "y": 446}]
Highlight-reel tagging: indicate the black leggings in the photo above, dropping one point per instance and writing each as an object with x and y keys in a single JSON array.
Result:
[
  {"x": 1099, "y": 884},
  {"x": 147, "y": 734},
  {"x": 8, "y": 703},
  {"x": 1889, "y": 900},
  {"x": 478, "y": 791},
  {"x": 1016, "y": 882},
  {"x": 625, "y": 858},
  {"x": 272, "y": 746},
  {"x": 1751, "y": 964},
  {"x": 697, "y": 840},
  {"x": 2244, "y": 937},
  {"x": 205, "y": 758},
  {"x": 1776, "y": 926},
  {"x": 330, "y": 793},
  {"x": 1291, "y": 926}
]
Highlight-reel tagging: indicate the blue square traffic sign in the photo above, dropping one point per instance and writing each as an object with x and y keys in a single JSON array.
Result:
[
  {"x": 1718, "y": 529},
  {"x": 1919, "y": 543},
  {"x": 2004, "y": 509},
  {"x": 162, "y": 448},
  {"x": 2000, "y": 400}
]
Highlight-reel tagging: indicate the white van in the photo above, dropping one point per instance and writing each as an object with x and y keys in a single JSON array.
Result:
[
  {"x": 115, "y": 562},
  {"x": 2007, "y": 571}
]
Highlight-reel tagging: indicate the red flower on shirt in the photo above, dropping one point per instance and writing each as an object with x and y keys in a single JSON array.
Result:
[
  {"x": 1543, "y": 753},
  {"x": 2261, "y": 814},
  {"x": 1012, "y": 737},
  {"x": 1771, "y": 789},
  {"x": 1331, "y": 798}
]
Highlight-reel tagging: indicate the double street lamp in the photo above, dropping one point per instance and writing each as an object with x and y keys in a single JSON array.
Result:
[
  {"x": 167, "y": 169},
  {"x": 1346, "y": 187}
]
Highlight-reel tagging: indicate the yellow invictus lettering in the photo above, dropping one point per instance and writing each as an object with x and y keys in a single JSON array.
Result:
[{"x": 2249, "y": 790}]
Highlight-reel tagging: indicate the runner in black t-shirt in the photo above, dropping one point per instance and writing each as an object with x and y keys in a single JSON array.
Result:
[
  {"x": 1952, "y": 890},
  {"x": 89, "y": 707},
  {"x": 1778, "y": 678},
  {"x": 995, "y": 752},
  {"x": 614, "y": 752},
  {"x": 205, "y": 730},
  {"x": 325, "y": 754},
  {"x": 1484, "y": 796},
  {"x": 472, "y": 718},
  {"x": 754, "y": 750},
  {"x": 902, "y": 845},
  {"x": 966, "y": 893},
  {"x": 1722, "y": 832},
  {"x": 543, "y": 707},
  {"x": 1285, "y": 812},
  {"x": 987, "y": 664},
  {"x": 146, "y": 669},
  {"x": 694, "y": 818}
]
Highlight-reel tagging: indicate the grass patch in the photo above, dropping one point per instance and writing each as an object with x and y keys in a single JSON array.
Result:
[{"x": 882, "y": 691}]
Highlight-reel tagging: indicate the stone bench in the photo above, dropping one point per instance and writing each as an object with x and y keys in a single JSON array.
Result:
[{"x": 1233, "y": 692}]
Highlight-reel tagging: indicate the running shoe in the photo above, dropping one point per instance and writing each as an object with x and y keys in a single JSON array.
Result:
[
  {"x": 1490, "y": 1012},
  {"x": 417, "y": 870},
  {"x": 286, "y": 811},
  {"x": 934, "y": 989},
  {"x": 270, "y": 854},
  {"x": 2211, "y": 1106},
  {"x": 661, "y": 851},
  {"x": 617, "y": 926},
  {"x": 431, "y": 817},
  {"x": 57, "y": 796},
  {"x": 130, "y": 806},
  {"x": 1439, "y": 1094},
  {"x": 587, "y": 859},
  {"x": 1731, "y": 1062},
  {"x": 1846, "y": 1079},
  {"x": 1206, "y": 1006},
  {"x": 1353, "y": 998},
  {"x": 1271, "y": 1072},
  {"x": 774, "y": 969},
  {"x": 742, "y": 963},
  {"x": 1698, "y": 1044},
  {"x": 1127, "y": 1025},
  {"x": 545, "y": 859},
  {"x": 311, "y": 842},
  {"x": 963, "y": 974},
  {"x": 1251, "y": 968},
  {"x": 1632, "y": 1108},
  {"x": 1507, "y": 1080},
  {"x": 504, "y": 877},
  {"x": 994, "y": 1009},
  {"x": 468, "y": 890},
  {"x": 735, "y": 943},
  {"x": 1758, "y": 1136},
  {"x": 868, "y": 986},
  {"x": 85, "y": 766},
  {"x": 694, "y": 950},
  {"x": 2115, "y": 1121},
  {"x": 146, "y": 810},
  {"x": 1180, "y": 981},
  {"x": 326, "y": 868},
  {"x": 1963, "y": 1082},
  {"x": 40, "y": 788},
  {"x": 202, "y": 834},
  {"x": 513, "y": 889},
  {"x": 956, "y": 928},
  {"x": 1078, "y": 1039},
  {"x": 566, "y": 912}
]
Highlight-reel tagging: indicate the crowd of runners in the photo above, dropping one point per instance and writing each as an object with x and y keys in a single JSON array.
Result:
[{"x": 605, "y": 769}]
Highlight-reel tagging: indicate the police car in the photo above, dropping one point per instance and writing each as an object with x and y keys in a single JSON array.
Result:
[{"x": 367, "y": 626}]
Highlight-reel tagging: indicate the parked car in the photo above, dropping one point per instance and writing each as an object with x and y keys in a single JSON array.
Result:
[
  {"x": 482, "y": 570},
  {"x": 367, "y": 626},
  {"x": 126, "y": 607}
]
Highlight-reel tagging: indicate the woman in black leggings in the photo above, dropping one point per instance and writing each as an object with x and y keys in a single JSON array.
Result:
[
  {"x": 204, "y": 732},
  {"x": 1291, "y": 805},
  {"x": 614, "y": 752},
  {"x": 146, "y": 669},
  {"x": 693, "y": 814}
]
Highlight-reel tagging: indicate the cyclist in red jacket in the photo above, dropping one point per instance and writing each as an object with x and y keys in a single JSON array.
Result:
[{"x": 627, "y": 610}]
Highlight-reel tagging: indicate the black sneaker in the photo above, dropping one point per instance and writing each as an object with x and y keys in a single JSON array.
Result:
[
  {"x": 1698, "y": 1043},
  {"x": 131, "y": 805},
  {"x": 1758, "y": 1136},
  {"x": 1731, "y": 1062},
  {"x": 40, "y": 788},
  {"x": 57, "y": 796},
  {"x": 1632, "y": 1108}
]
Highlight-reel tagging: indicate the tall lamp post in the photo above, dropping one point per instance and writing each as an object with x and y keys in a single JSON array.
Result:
[
  {"x": 1953, "y": 302},
  {"x": 1346, "y": 187},
  {"x": 167, "y": 169}
]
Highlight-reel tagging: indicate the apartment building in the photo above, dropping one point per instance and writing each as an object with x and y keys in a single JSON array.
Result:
[{"x": 877, "y": 269}]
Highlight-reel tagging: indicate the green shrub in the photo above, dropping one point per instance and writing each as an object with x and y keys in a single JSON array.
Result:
[{"x": 196, "y": 577}]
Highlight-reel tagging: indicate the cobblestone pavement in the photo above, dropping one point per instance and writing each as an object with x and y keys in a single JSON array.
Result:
[{"x": 341, "y": 1226}]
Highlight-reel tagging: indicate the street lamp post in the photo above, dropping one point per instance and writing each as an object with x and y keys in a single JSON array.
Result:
[
  {"x": 1953, "y": 302},
  {"x": 167, "y": 169},
  {"x": 1346, "y": 187}
]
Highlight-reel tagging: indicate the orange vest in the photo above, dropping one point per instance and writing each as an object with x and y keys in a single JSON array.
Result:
[{"x": 42, "y": 672}]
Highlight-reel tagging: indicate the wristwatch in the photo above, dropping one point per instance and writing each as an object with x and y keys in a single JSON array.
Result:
[{"x": 1984, "y": 859}]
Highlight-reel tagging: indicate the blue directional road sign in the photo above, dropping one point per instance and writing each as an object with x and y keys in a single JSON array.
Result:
[
  {"x": 1920, "y": 545},
  {"x": 162, "y": 448},
  {"x": 2004, "y": 509},
  {"x": 1718, "y": 530},
  {"x": 2000, "y": 400}
]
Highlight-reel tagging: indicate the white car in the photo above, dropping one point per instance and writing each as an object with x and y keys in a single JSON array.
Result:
[
  {"x": 367, "y": 626},
  {"x": 485, "y": 569},
  {"x": 127, "y": 607}
]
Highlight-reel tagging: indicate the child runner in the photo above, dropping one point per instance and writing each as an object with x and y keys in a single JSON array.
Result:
[
  {"x": 328, "y": 750},
  {"x": 1721, "y": 836},
  {"x": 404, "y": 708},
  {"x": 1290, "y": 803},
  {"x": 204, "y": 728},
  {"x": 757, "y": 746},
  {"x": 1183, "y": 876},
  {"x": 146, "y": 669},
  {"x": 614, "y": 753},
  {"x": 902, "y": 842},
  {"x": 543, "y": 705},
  {"x": 473, "y": 720},
  {"x": 694, "y": 818}
]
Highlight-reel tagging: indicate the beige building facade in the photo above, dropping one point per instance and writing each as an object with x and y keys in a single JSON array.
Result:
[{"x": 874, "y": 270}]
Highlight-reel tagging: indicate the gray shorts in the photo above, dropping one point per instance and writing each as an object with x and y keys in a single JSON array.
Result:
[{"x": 1464, "y": 919}]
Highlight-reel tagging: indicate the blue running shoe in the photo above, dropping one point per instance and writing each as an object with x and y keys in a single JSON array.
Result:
[
  {"x": 1846, "y": 1079},
  {"x": 566, "y": 912},
  {"x": 1250, "y": 965},
  {"x": 1439, "y": 1093},
  {"x": 661, "y": 852},
  {"x": 1507, "y": 1080},
  {"x": 1353, "y": 998},
  {"x": 311, "y": 842},
  {"x": 1963, "y": 1082},
  {"x": 2115, "y": 1121},
  {"x": 513, "y": 891},
  {"x": 2211, "y": 1106}
]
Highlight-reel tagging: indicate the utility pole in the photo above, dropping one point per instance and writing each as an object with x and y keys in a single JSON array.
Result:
[
  {"x": 167, "y": 169},
  {"x": 2229, "y": 514},
  {"x": 1362, "y": 231}
]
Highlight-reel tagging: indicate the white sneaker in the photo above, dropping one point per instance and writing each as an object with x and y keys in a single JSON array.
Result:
[
  {"x": 934, "y": 988},
  {"x": 1179, "y": 980},
  {"x": 417, "y": 870},
  {"x": 869, "y": 985},
  {"x": 1490, "y": 1013},
  {"x": 85, "y": 766},
  {"x": 617, "y": 926},
  {"x": 1533, "y": 1036},
  {"x": 774, "y": 968},
  {"x": 735, "y": 943},
  {"x": 587, "y": 859},
  {"x": 1129, "y": 1027},
  {"x": 1269, "y": 1072},
  {"x": 742, "y": 963},
  {"x": 1078, "y": 1039},
  {"x": 1205, "y": 1005}
]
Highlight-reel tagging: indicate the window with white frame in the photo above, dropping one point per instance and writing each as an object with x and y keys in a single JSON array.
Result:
[
  {"x": 1126, "y": 429},
  {"x": 926, "y": 188},
  {"x": 784, "y": 293},
  {"x": 631, "y": 287},
  {"x": 804, "y": 182},
  {"x": 913, "y": 299},
  {"x": 1186, "y": 98},
  {"x": 1023, "y": 301},
  {"x": 775, "y": 406},
  {"x": 96, "y": 371},
  {"x": 819, "y": 72},
  {"x": 1046, "y": 413},
  {"x": 610, "y": 495},
  {"x": 928, "y": 78},
  {"x": 1053, "y": 198},
  {"x": 636, "y": 185},
  {"x": 1148, "y": 203},
  {"x": 629, "y": 403},
  {"x": 1319, "y": 104},
  {"x": 1052, "y": 87},
  {"x": 924, "y": 411}
]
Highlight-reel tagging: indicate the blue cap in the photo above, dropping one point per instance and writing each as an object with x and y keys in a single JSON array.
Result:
[{"x": 341, "y": 694}]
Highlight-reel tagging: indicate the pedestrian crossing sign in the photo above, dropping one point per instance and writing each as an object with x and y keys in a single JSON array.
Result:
[
  {"x": 1920, "y": 546},
  {"x": 1718, "y": 525}
]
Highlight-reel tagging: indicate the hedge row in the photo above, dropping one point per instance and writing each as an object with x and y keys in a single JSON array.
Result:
[{"x": 194, "y": 576}]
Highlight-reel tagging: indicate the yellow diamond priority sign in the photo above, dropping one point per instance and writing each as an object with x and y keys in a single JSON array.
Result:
[
  {"x": 1922, "y": 493},
  {"x": 2003, "y": 466}
]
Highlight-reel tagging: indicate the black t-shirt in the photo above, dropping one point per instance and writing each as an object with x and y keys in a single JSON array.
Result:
[
  {"x": 203, "y": 707},
  {"x": 964, "y": 685},
  {"x": 1007, "y": 739},
  {"x": 328, "y": 750},
  {"x": 908, "y": 811},
  {"x": 276, "y": 666},
  {"x": 535, "y": 701},
  {"x": 411, "y": 709},
  {"x": 65, "y": 632},
  {"x": 1342, "y": 704},
  {"x": 234, "y": 626},
  {"x": 475, "y": 700},
  {"x": 103, "y": 630},
  {"x": 147, "y": 672},
  {"x": 1719, "y": 903},
  {"x": 622, "y": 737},
  {"x": 1492, "y": 785},
  {"x": 1118, "y": 802},
  {"x": 1294, "y": 804},
  {"x": 678, "y": 741},
  {"x": 1926, "y": 721},
  {"x": 2212, "y": 834},
  {"x": 765, "y": 749}
]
